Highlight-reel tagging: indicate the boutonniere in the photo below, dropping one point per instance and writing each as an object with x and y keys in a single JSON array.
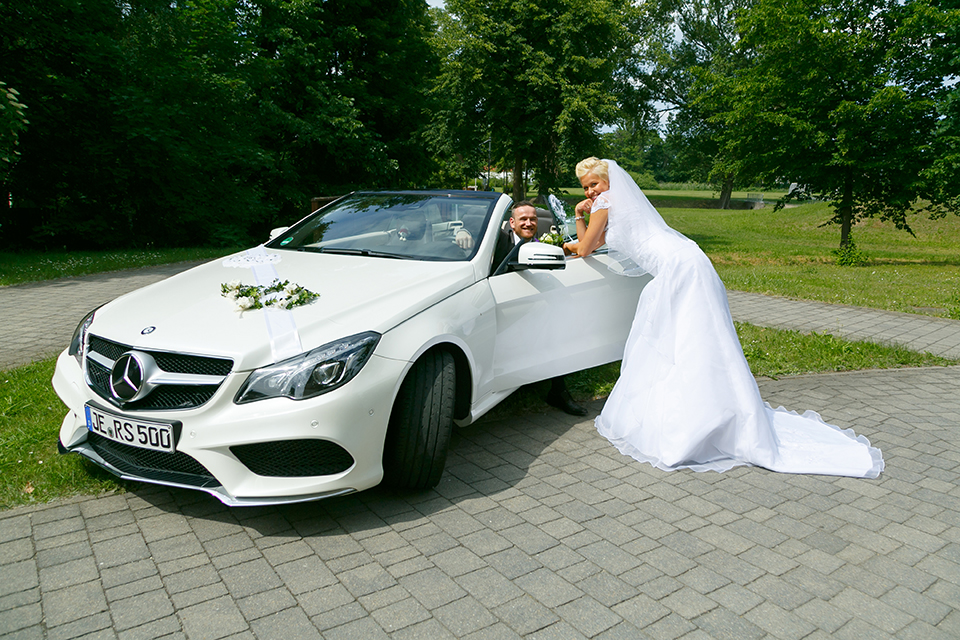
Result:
[{"x": 280, "y": 295}]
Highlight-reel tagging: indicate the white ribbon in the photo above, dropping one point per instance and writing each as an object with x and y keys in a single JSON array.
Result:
[{"x": 281, "y": 325}]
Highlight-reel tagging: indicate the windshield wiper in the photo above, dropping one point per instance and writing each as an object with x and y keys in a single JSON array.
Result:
[{"x": 347, "y": 251}]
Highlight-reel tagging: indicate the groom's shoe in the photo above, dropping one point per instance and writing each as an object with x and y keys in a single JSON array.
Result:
[{"x": 562, "y": 400}]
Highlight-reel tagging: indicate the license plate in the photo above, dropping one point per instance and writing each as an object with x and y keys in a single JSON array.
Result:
[{"x": 136, "y": 433}]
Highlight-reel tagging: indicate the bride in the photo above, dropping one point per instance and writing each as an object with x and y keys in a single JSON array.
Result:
[{"x": 685, "y": 397}]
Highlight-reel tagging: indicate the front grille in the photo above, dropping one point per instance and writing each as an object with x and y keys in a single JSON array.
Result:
[
  {"x": 160, "y": 466},
  {"x": 294, "y": 458},
  {"x": 164, "y": 397}
]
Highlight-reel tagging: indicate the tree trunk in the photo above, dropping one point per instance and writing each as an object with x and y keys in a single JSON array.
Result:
[
  {"x": 846, "y": 208},
  {"x": 519, "y": 184},
  {"x": 726, "y": 192}
]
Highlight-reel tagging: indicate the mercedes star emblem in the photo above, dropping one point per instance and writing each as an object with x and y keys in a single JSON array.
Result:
[{"x": 129, "y": 376}]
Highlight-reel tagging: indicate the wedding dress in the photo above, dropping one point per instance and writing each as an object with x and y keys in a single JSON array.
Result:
[{"x": 685, "y": 397}]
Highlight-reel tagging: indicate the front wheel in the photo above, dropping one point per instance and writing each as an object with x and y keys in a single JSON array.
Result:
[{"x": 418, "y": 435}]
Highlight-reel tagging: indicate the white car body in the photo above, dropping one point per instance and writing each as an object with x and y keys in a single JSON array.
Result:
[{"x": 502, "y": 331}]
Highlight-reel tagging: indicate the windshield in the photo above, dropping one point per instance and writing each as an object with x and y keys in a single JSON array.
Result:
[{"x": 417, "y": 226}]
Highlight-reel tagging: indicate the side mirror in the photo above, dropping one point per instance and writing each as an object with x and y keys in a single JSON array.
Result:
[
  {"x": 539, "y": 255},
  {"x": 276, "y": 232}
]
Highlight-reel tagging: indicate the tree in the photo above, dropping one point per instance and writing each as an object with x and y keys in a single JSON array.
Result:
[
  {"x": 685, "y": 40},
  {"x": 12, "y": 122},
  {"x": 206, "y": 121},
  {"x": 536, "y": 78},
  {"x": 839, "y": 97}
]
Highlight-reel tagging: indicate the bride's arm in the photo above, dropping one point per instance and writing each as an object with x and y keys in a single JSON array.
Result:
[{"x": 590, "y": 237}]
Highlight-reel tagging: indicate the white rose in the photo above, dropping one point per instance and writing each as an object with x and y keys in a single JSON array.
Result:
[
  {"x": 290, "y": 289},
  {"x": 244, "y": 303},
  {"x": 234, "y": 284}
]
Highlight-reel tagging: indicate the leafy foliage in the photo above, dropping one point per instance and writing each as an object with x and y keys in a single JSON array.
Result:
[
  {"x": 536, "y": 78},
  {"x": 840, "y": 97},
  {"x": 207, "y": 122}
]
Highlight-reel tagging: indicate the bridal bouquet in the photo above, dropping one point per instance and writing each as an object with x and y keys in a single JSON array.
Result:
[
  {"x": 554, "y": 237},
  {"x": 280, "y": 295}
]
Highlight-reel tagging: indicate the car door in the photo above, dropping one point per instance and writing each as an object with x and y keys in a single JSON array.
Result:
[{"x": 555, "y": 322}]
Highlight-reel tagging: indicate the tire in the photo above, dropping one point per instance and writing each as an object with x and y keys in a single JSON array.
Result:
[{"x": 418, "y": 434}]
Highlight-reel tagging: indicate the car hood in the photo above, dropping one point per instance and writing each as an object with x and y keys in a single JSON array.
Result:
[{"x": 187, "y": 313}]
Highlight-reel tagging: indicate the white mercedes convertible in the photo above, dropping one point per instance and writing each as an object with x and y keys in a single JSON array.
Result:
[{"x": 338, "y": 355}]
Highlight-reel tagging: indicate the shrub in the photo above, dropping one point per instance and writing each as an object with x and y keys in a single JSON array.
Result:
[
  {"x": 849, "y": 255},
  {"x": 644, "y": 180}
]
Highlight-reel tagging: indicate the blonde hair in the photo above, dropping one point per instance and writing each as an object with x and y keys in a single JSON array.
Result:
[{"x": 593, "y": 165}]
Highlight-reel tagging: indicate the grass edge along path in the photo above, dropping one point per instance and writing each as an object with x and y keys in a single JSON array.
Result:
[
  {"x": 33, "y": 472},
  {"x": 20, "y": 268}
]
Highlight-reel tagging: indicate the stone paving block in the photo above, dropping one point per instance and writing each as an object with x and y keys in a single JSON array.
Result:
[
  {"x": 489, "y": 587},
  {"x": 670, "y": 627},
  {"x": 547, "y": 587},
  {"x": 288, "y": 623},
  {"x": 249, "y": 578},
  {"x": 588, "y": 616},
  {"x": 129, "y": 589},
  {"x": 605, "y": 588},
  {"x": 525, "y": 615},
  {"x": 54, "y": 556},
  {"x": 876, "y": 613},
  {"x": 919, "y": 630},
  {"x": 945, "y": 592},
  {"x": 779, "y": 623},
  {"x": 349, "y": 562},
  {"x": 383, "y": 598},
  {"x": 426, "y": 630},
  {"x": 95, "y": 626},
  {"x": 20, "y": 617},
  {"x": 326, "y": 599},
  {"x": 140, "y": 609},
  {"x": 15, "y": 528},
  {"x": 722, "y": 623},
  {"x": 464, "y": 616},
  {"x": 559, "y": 557},
  {"x": 16, "y": 551},
  {"x": 213, "y": 619},
  {"x": 432, "y": 588},
  {"x": 768, "y": 561},
  {"x": 305, "y": 574},
  {"x": 668, "y": 561},
  {"x": 366, "y": 579},
  {"x": 171, "y": 567},
  {"x": 512, "y": 563},
  {"x": 266, "y": 603},
  {"x": 780, "y": 592},
  {"x": 362, "y": 629},
  {"x": 485, "y": 542},
  {"x": 119, "y": 551},
  {"x": 72, "y": 603}
]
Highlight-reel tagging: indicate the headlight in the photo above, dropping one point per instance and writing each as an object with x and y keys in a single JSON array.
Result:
[
  {"x": 313, "y": 373},
  {"x": 79, "y": 341}
]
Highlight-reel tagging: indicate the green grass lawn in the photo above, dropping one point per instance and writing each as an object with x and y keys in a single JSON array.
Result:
[{"x": 789, "y": 253}]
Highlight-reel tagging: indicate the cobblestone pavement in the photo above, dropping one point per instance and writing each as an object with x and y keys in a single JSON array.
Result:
[{"x": 538, "y": 529}]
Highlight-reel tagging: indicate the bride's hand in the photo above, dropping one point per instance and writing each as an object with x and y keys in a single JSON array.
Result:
[{"x": 583, "y": 207}]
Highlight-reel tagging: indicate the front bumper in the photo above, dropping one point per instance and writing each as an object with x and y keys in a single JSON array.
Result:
[{"x": 352, "y": 419}]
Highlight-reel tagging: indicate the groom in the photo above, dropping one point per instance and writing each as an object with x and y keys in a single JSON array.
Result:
[{"x": 523, "y": 228}]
